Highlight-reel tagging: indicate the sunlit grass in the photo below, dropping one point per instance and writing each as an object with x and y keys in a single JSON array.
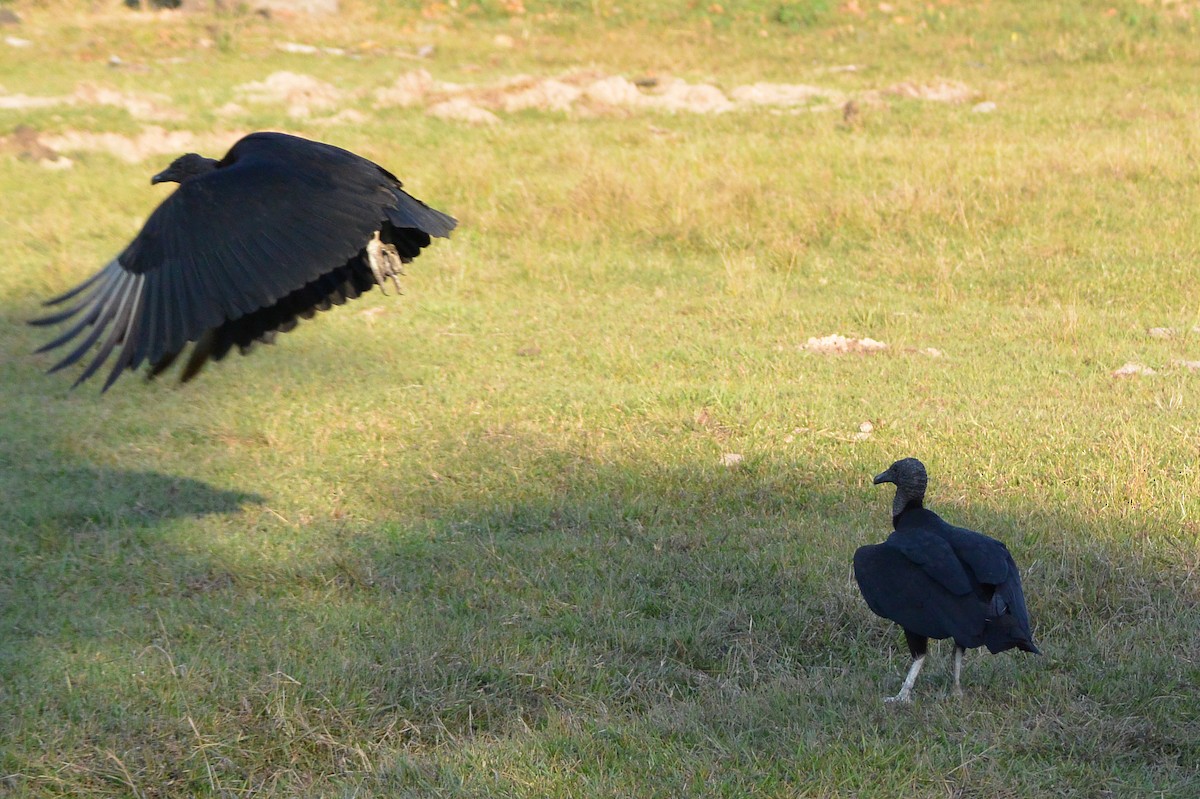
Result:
[{"x": 478, "y": 540}]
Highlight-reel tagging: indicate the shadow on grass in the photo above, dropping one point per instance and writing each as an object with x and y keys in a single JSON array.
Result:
[
  {"x": 711, "y": 611},
  {"x": 635, "y": 622},
  {"x": 68, "y": 499}
]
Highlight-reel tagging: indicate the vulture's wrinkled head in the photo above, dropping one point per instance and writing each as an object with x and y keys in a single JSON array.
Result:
[
  {"x": 910, "y": 478},
  {"x": 184, "y": 167}
]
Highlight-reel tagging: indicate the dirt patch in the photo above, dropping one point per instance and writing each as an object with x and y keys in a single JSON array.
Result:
[
  {"x": 786, "y": 95},
  {"x": 673, "y": 95},
  {"x": 614, "y": 90},
  {"x": 548, "y": 95},
  {"x": 679, "y": 96},
  {"x": 307, "y": 49},
  {"x": 411, "y": 88},
  {"x": 152, "y": 141},
  {"x": 463, "y": 110},
  {"x": 28, "y": 146},
  {"x": 25, "y": 143},
  {"x": 940, "y": 91},
  {"x": 231, "y": 109},
  {"x": 302, "y": 94},
  {"x": 18, "y": 102},
  {"x": 838, "y": 345},
  {"x": 347, "y": 116},
  {"x": 581, "y": 91},
  {"x": 156, "y": 107},
  {"x": 589, "y": 92},
  {"x": 1133, "y": 369}
]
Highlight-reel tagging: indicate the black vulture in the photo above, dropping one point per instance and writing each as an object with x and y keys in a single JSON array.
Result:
[
  {"x": 278, "y": 229},
  {"x": 940, "y": 581}
]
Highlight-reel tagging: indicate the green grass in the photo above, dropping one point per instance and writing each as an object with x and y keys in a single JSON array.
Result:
[{"x": 480, "y": 542}]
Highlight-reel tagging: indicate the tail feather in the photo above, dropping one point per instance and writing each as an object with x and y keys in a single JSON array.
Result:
[{"x": 409, "y": 212}]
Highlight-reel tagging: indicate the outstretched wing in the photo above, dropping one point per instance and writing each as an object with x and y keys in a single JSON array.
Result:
[{"x": 270, "y": 226}]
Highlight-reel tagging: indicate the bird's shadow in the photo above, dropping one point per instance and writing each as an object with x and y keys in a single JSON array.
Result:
[{"x": 68, "y": 498}]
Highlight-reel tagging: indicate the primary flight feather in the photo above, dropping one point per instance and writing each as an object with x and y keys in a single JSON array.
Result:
[{"x": 278, "y": 229}]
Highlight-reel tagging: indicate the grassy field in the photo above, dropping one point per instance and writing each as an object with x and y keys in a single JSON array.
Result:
[{"x": 483, "y": 540}]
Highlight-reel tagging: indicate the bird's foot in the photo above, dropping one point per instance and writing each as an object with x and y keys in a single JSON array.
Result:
[
  {"x": 956, "y": 692},
  {"x": 385, "y": 263},
  {"x": 900, "y": 698}
]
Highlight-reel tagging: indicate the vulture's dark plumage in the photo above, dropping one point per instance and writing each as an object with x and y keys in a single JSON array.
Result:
[
  {"x": 278, "y": 229},
  {"x": 940, "y": 581}
]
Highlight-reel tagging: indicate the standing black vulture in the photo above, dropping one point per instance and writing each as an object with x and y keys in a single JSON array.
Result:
[
  {"x": 278, "y": 229},
  {"x": 940, "y": 581}
]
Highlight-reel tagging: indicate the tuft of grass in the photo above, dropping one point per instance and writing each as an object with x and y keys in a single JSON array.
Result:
[{"x": 481, "y": 539}]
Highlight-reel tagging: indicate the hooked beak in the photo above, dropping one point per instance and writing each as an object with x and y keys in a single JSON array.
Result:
[
  {"x": 883, "y": 477},
  {"x": 161, "y": 177}
]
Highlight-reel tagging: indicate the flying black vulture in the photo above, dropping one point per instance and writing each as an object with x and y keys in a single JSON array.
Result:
[
  {"x": 940, "y": 581},
  {"x": 278, "y": 229}
]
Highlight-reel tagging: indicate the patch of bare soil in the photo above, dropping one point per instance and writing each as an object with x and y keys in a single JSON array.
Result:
[
  {"x": 836, "y": 344},
  {"x": 612, "y": 91},
  {"x": 347, "y": 116},
  {"x": 28, "y": 146},
  {"x": 308, "y": 49},
  {"x": 1133, "y": 369},
  {"x": 302, "y": 94},
  {"x": 940, "y": 91},
  {"x": 155, "y": 107},
  {"x": 19, "y": 102},
  {"x": 787, "y": 95},
  {"x": 460, "y": 109},
  {"x": 679, "y": 96},
  {"x": 548, "y": 95},
  {"x": 152, "y": 141},
  {"x": 411, "y": 88},
  {"x": 589, "y": 92}
]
